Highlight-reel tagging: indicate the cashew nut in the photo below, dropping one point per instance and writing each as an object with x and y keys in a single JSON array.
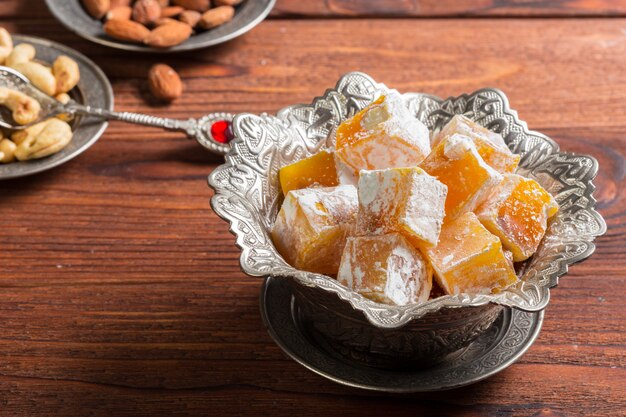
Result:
[
  {"x": 65, "y": 71},
  {"x": 7, "y": 151},
  {"x": 25, "y": 109},
  {"x": 20, "y": 136},
  {"x": 6, "y": 44},
  {"x": 38, "y": 74},
  {"x": 62, "y": 98},
  {"x": 54, "y": 136},
  {"x": 23, "y": 52}
]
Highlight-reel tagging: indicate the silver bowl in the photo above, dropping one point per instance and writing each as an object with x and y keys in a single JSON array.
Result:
[
  {"x": 248, "y": 196},
  {"x": 73, "y": 16}
]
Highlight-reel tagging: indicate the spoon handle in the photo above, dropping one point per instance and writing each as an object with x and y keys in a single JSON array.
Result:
[{"x": 198, "y": 129}]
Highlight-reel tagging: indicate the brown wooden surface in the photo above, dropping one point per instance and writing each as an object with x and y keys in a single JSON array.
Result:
[
  {"x": 120, "y": 291},
  {"x": 29, "y": 9},
  {"x": 450, "y": 8}
]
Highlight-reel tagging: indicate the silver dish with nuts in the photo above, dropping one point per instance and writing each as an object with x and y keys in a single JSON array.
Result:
[
  {"x": 56, "y": 140},
  {"x": 160, "y": 25}
]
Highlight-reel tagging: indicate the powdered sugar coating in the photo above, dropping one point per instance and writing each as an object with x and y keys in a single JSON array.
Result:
[
  {"x": 457, "y": 146},
  {"x": 466, "y": 127},
  {"x": 385, "y": 268},
  {"x": 388, "y": 135},
  {"x": 402, "y": 200},
  {"x": 394, "y": 118},
  {"x": 490, "y": 145},
  {"x": 327, "y": 206},
  {"x": 456, "y": 163},
  {"x": 312, "y": 226},
  {"x": 345, "y": 173}
]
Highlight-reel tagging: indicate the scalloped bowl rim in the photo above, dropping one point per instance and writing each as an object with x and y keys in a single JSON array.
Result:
[{"x": 357, "y": 301}]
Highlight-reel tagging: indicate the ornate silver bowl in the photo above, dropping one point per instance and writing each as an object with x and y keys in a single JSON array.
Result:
[{"x": 248, "y": 196}]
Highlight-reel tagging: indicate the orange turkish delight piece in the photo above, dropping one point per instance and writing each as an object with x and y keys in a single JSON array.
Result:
[
  {"x": 469, "y": 259},
  {"x": 456, "y": 163},
  {"x": 464, "y": 126},
  {"x": 402, "y": 200},
  {"x": 312, "y": 226},
  {"x": 386, "y": 269},
  {"x": 490, "y": 145},
  {"x": 517, "y": 212},
  {"x": 316, "y": 170},
  {"x": 351, "y": 130},
  {"x": 383, "y": 135}
]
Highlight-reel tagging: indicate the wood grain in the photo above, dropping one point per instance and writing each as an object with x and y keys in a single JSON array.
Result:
[
  {"x": 121, "y": 292},
  {"x": 450, "y": 8},
  {"x": 394, "y": 8}
]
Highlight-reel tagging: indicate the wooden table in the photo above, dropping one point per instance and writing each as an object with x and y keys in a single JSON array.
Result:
[{"x": 120, "y": 290}]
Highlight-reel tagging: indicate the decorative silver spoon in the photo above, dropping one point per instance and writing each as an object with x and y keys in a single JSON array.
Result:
[{"x": 198, "y": 129}]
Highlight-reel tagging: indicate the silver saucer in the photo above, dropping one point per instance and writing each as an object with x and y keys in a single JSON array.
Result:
[{"x": 505, "y": 342}]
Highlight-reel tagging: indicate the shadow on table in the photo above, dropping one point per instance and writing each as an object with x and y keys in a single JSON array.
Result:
[{"x": 15, "y": 188}]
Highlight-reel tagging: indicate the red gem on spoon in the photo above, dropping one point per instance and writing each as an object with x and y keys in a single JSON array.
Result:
[{"x": 222, "y": 131}]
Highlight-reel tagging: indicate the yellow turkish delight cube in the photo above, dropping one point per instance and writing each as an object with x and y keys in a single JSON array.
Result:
[
  {"x": 490, "y": 145},
  {"x": 456, "y": 163},
  {"x": 316, "y": 170},
  {"x": 402, "y": 200},
  {"x": 517, "y": 212},
  {"x": 386, "y": 269},
  {"x": 312, "y": 226},
  {"x": 469, "y": 259},
  {"x": 383, "y": 135}
]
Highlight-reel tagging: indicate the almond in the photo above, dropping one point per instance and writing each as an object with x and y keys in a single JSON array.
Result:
[
  {"x": 197, "y": 5},
  {"x": 170, "y": 34},
  {"x": 226, "y": 2},
  {"x": 120, "y": 12},
  {"x": 97, "y": 8},
  {"x": 165, "y": 20},
  {"x": 126, "y": 30},
  {"x": 217, "y": 16},
  {"x": 164, "y": 82},
  {"x": 120, "y": 3},
  {"x": 146, "y": 11},
  {"x": 191, "y": 17},
  {"x": 171, "y": 11}
]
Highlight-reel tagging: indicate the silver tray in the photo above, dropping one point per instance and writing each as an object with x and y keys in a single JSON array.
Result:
[
  {"x": 93, "y": 90},
  {"x": 248, "y": 196}
]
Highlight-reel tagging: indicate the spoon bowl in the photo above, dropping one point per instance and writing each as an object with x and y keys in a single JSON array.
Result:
[{"x": 14, "y": 80}]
